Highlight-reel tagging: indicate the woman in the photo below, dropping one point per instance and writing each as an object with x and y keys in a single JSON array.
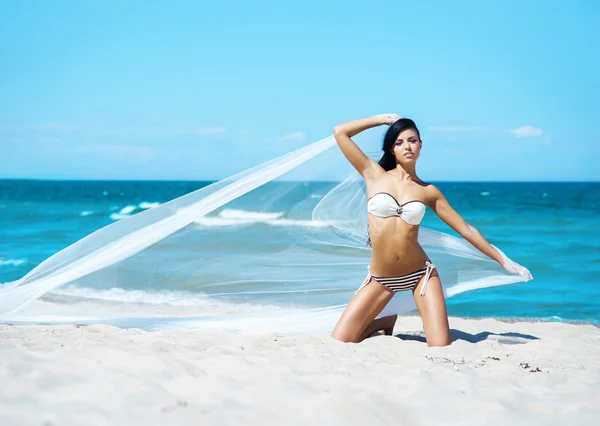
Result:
[{"x": 396, "y": 206}]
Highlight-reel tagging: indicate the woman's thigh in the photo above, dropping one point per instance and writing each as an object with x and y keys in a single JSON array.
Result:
[
  {"x": 432, "y": 308},
  {"x": 361, "y": 311}
]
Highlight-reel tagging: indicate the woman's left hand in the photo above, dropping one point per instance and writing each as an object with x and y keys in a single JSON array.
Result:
[{"x": 515, "y": 268}]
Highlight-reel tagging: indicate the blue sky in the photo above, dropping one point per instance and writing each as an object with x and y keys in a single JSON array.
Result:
[{"x": 501, "y": 90}]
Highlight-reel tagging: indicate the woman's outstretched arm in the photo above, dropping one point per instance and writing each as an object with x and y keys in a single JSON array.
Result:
[
  {"x": 343, "y": 134},
  {"x": 438, "y": 203}
]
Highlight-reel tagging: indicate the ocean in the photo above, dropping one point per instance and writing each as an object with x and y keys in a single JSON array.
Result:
[{"x": 551, "y": 228}]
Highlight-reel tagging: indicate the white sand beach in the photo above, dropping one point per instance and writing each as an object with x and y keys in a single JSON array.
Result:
[{"x": 494, "y": 372}]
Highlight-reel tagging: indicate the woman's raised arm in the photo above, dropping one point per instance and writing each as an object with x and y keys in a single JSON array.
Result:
[{"x": 367, "y": 168}]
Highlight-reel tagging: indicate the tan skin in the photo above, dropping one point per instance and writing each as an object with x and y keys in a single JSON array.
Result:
[{"x": 396, "y": 250}]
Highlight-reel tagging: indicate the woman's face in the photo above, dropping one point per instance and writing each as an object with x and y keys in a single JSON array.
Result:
[{"x": 407, "y": 147}]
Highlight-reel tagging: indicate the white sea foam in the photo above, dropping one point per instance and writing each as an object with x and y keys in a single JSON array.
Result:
[
  {"x": 155, "y": 310},
  {"x": 127, "y": 209},
  {"x": 123, "y": 213},
  {"x": 117, "y": 216},
  {"x": 148, "y": 205},
  {"x": 219, "y": 221},
  {"x": 249, "y": 215},
  {"x": 555, "y": 318},
  {"x": 309, "y": 223},
  {"x": 174, "y": 298},
  {"x": 161, "y": 299},
  {"x": 12, "y": 262},
  {"x": 231, "y": 217},
  {"x": 86, "y": 213}
]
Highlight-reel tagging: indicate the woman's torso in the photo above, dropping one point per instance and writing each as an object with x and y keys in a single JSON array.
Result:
[{"x": 396, "y": 250}]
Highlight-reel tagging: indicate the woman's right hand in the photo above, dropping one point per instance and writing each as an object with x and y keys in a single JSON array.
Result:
[{"x": 388, "y": 119}]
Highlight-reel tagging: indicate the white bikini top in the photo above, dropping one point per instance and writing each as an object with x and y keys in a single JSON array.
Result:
[{"x": 383, "y": 204}]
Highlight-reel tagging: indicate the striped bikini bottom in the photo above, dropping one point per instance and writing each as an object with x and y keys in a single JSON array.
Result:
[{"x": 405, "y": 282}]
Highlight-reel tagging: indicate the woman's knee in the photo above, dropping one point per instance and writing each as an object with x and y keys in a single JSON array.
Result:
[
  {"x": 443, "y": 340},
  {"x": 345, "y": 336}
]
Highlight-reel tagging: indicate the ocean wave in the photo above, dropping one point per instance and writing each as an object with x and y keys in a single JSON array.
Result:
[
  {"x": 124, "y": 213},
  {"x": 176, "y": 310},
  {"x": 160, "y": 298},
  {"x": 86, "y": 213},
  {"x": 551, "y": 318},
  {"x": 249, "y": 215},
  {"x": 174, "y": 298},
  {"x": 12, "y": 262},
  {"x": 128, "y": 209},
  {"x": 231, "y": 217},
  {"x": 148, "y": 205},
  {"x": 132, "y": 209}
]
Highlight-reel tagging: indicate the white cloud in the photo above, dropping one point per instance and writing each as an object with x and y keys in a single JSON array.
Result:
[
  {"x": 210, "y": 131},
  {"x": 292, "y": 137},
  {"x": 126, "y": 153},
  {"x": 527, "y": 132},
  {"x": 457, "y": 128}
]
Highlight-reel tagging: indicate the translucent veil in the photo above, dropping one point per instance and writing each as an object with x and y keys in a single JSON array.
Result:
[{"x": 280, "y": 247}]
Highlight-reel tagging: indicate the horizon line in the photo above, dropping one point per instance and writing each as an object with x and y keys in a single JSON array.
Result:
[{"x": 299, "y": 180}]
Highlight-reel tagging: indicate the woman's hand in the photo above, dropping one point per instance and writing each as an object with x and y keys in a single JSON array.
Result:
[
  {"x": 438, "y": 203},
  {"x": 388, "y": 119},
  {"x": 343, "y": 134},
  {"x": 515, "y": 268}
]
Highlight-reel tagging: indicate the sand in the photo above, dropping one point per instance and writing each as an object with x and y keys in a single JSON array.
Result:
[{"x": 494, "y": 372}]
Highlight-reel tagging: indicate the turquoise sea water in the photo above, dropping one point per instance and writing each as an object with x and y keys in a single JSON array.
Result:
[{"x": 551, "y": 228}]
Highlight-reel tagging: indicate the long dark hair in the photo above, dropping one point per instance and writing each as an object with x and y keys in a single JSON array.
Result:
[{"x": 388, "y": 161}]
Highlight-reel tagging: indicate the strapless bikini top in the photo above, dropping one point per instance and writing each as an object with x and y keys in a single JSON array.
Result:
[{"x": 383, "y": 204}]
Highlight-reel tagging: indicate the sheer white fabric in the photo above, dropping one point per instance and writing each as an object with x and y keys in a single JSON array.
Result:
[{"x": 299, "y": 280}]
